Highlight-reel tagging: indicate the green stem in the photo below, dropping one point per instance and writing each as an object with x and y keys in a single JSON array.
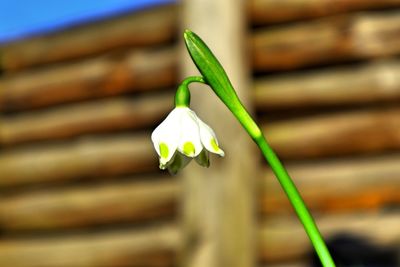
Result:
[
  {"x": 288, "y": 186},
  {"x": 193, "y": 79},
  {"x": 283, "y": 177},
  {"x": 296, "y": 201},
  {"x": 182, "y": 95},
  {"x": 216, "y": 77}
]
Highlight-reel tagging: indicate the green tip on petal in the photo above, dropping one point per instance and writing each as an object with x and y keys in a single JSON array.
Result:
[
  {"x": 214, "y": 144},
  {"x": 216, "y": 148},
  {"x": 188, "y": 149},
  {"x": 164, "y": 152}
]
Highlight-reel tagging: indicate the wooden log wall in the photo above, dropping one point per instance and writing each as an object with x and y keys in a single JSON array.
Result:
[
  {"x": 152, "y": 246},
  {"x": 327, "y": 89},
  {"x": 79, "y": 184},
  {"x": 97, "y": 38}
]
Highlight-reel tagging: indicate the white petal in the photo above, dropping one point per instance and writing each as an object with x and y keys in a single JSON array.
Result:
[
  {"x": 189, "y": 142},
  {"x": 166, "y": 137},
  {"x": 208, "y": 139}
]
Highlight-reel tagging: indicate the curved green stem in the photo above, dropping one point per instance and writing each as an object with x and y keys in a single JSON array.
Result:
[
  {"x": 216, "y": 77},
  {"x": 193, "y": 79},
  {"x": 182, "y": 95}
]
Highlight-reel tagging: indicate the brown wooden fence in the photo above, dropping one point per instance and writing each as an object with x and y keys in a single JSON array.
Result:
[{"x": 79, "y": 184}]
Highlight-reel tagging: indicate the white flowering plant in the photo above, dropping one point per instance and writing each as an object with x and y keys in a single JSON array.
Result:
[{"x": 183, "y": 136}]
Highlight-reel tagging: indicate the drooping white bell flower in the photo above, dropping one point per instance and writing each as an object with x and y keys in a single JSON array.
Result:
[{"x": 181, "y": 137}]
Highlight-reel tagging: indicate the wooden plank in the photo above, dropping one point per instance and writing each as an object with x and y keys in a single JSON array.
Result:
[
  {"x": 83, "y": 158},
  {"x": 284, "y": 239},
  {"x": 136, "y": 70},
  {"x": 297, "y": 263},
  {"x": 372, "y": 83},
  {"x": 218, "y": 204},
  {"x": 83, "y": 118},
  {"x": 337, "y": 39},
  {"x": 274, "y": 11},
  {"x": 344, "y": 133},
  {"x": 351, "y": 185},
  {"x": 153, "y": 247},
  {"x": 149, "y": 27},
  {"x": 84, "y": 206}
]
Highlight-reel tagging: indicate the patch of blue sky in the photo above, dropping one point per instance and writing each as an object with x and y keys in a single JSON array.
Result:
[{"x": 23, "y": 18}]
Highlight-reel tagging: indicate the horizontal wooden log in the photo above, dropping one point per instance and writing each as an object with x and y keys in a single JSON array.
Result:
[
  {"x": 104, "y": 76},
  {"x": 273, "y": 11},
  {"x": 83, "y": 118},
  {"x": 297, "y": 263},
  {"x": 365, "y": 184},
  {"x": 372, "y": 83},
  {"x": 149, "y": 27},
  {"x": 284, "y": 239},
  {"x": 336, "y": 134},
  {"x": 338, "y": 39},
  {"x": 130, "y": 201},
  {"x": 153, "y": 247},
  {"x": 83, "y": 158}
]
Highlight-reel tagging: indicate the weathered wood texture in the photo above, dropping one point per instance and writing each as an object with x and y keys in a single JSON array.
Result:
[
  {"x": 138, "y": 70},
  {"x": 108, "y": 115},
  {"x": 331, "y": 186},
  {"x": 337, "y": 39},
  {"x": 85, "y": 206},
  {"x": 150, "y": 27},
  {"x": 82, "y": 158},
  {"x": 280, "y": 239},
  {"x": 273, "y": 11},
  {"x": 107, "y": 59},
  {"x": 153, "y": 247},
  {"x": 283, "y": 239},
  {"x": 336, "y": 134},
  {"x": 371, "y": 83},
  {"x": 297, "y": 263},
  {"x": 139, "y": 29},
  {"x": 327, "y": 186},
  {"x": 218, "y": 204}
]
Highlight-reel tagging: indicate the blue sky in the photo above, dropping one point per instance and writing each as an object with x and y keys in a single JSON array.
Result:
[{"x": 20, "y": 18}]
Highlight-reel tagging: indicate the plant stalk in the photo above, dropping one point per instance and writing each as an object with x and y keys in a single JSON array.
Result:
[
  {"x": 297, "y": 202},
  {"x": 216, "y": 77}
]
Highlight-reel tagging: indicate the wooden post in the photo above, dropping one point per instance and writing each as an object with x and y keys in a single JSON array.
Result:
[{"x": 218, "y": 203}]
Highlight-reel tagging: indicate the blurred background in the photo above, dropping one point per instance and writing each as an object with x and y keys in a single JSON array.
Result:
[{"x": 82, "y": 87}]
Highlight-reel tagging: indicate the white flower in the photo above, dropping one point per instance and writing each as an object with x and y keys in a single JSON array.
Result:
[{"x": 181, "y": 137}]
